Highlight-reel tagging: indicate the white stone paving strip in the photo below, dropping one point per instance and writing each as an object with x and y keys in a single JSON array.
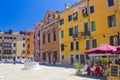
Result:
[{"x": 16, "y": 72}]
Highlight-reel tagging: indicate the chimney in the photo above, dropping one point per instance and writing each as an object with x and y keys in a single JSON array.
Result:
[{"x": 66, "y": 6}]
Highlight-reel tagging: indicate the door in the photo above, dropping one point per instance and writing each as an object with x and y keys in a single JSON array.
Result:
[
  {"x": 49, "y": 57},
  {"x": 72, "y": 59}
]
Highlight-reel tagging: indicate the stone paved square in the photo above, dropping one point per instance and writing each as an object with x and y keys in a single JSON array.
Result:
[{"x": 16, "y": 72}]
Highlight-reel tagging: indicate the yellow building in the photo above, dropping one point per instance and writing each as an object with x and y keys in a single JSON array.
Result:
[
  {"x": 29, "y": 44},
  {"x": 88, "y": 24}
]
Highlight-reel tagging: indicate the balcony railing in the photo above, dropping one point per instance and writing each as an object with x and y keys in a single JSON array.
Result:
[
  {"x": 75, "y": 35},
  {"x": 86, "y": 33},
  {"x": 7, "y": 47}
]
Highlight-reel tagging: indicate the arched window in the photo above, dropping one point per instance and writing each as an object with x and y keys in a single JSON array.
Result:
[
  {"x": 54, "y": 34},
  {"x": 48, "y": 36}
]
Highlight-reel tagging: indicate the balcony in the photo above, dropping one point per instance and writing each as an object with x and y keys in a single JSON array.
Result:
[
  {"x": 6, "y": 53},
  {"x": 86, "y": 33},
  {"x": 75, "y": 35},
  {"x": 7, "y": 47}
]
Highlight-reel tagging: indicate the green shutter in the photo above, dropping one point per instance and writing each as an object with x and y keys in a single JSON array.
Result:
[
  {"x": 93, "y": 28},
  {"x": 85, "y": 27},
  {"x": 76, "y": 29},
  {"x": 62, "y": 34},
  {"x": 114, "y": 20}
]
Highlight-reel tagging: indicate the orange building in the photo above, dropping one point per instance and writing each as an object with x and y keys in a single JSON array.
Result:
[{"x": 29, "y": 34}]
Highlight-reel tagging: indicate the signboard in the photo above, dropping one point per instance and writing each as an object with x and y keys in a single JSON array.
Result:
[{"x": 114, "y": 72}]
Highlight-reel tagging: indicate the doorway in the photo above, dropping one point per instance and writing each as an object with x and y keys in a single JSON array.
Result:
[
  {"x": 72, "y": 59},
  {"x": 49, "y": 57}
]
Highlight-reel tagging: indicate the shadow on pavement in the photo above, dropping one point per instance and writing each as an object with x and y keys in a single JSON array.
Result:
[{"x": 94, "y": 77}]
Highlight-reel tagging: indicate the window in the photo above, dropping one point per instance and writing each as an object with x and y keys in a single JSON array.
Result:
[
  {"x": 84, "y": 12},
  {"x": 112, "y": 40},
  {"x": 71, "y": 46},
  {"x": 93, "y": 28},
  {"x": 14, "y": 38},
  {"x": 115, "y": 40},
  {"x": 75, "y": 16},
  {"x": 77, "y": 56},
  {"x": 118, "y": 39},
  {"x": 62, "y": 34},
  {"x": 28, "y": 45},
  {"x": 23, "y": 51},
  {"x": 76, "y": 30},
  {"x": 10, "y": 37},
  {"x": 5, "y": 37},
  {"x": 112, "y": 20},
  {"x": 61, "y": 21},
  {"x": 44, "y": 56},
  {"x": 85, "y": 27},
  {"x": 91, "y": 9},
  {"x": 54, "y": 34},
  {"x": 44, "y": 38},
  {"x": 87, "y": 44},
  {"x": 86, "y": 30},
  {"x": 23, "y": 38},
  {"x": 14, "y": 51},
  {"x": 94, "y": 43},
  {"x": 62, "y": 56},
  {"x": 18, "y": 57},
  {"x": 110, "y": 3},
  {"x": 48, "y": 18},
  {"x": 0, "y": 37},
  {"x": 23, "y": 44},
  {"x": 62, "y": 47},
  {"x": 28, "y": 39},
  {"x": 14, "y": 44},
  {"x": 70, "y": 18},
  {"x": 0, "y": 44},
  {"x": 39, "y": 34},
  {"x": 82, "y": 59},
  {"x": 48, "y": 36},
  {"x": 70, "y": 31},
  {"x": 77, "y": 45}
]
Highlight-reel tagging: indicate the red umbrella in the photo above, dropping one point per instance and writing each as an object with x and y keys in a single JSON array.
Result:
[
  {"x": 102, "y": 49},
  {"x": 118, "y": 50}
]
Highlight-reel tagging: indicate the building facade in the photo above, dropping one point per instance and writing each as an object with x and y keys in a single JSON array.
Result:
[
  {"x": 37, "y": 41},
  {"x": 88, "y": 24},
  {"x": 12, "y": 46},
  {"x": 49, "y": 38},
  {"x": 29, "y": 35}
]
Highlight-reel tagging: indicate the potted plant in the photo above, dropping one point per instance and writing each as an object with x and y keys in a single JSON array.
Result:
[{"x": 78, "y": 66}]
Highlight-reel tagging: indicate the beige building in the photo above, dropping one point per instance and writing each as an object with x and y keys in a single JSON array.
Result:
[{"x": 12, "y": 46}]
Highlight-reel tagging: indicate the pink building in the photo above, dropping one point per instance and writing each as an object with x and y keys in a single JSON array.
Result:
[{"x": 37, "y": 41}]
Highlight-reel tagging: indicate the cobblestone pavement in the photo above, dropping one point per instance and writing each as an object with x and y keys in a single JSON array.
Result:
[{"x": 16, "y": 72}]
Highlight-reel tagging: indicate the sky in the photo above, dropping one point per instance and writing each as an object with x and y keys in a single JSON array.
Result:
[{"x": 19, "y": 15}]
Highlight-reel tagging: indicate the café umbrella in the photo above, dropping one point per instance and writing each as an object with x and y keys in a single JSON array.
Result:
[{"x": 102, "y": 49}]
